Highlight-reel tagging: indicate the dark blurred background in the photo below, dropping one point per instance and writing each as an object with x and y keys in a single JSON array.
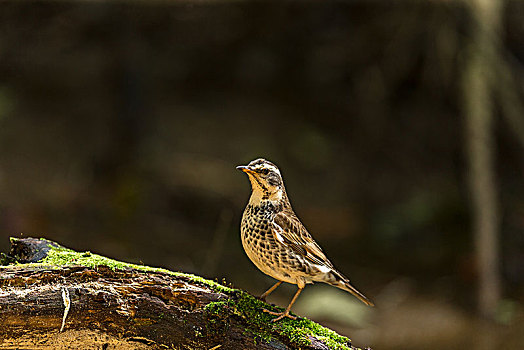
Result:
[{"x": 121, "y": 124}]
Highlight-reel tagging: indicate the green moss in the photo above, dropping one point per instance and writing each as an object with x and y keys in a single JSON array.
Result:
[
  {"x": 297, "y": 331},
  {"x": 61, "y": 256}
]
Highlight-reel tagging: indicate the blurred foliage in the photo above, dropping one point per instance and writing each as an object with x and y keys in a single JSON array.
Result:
[{"x": 121, "y": 126}]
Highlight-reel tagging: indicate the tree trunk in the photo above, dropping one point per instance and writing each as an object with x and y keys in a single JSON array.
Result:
[
  {"x": 478, "y": 108},
  {"x": 82, "y": 300}
]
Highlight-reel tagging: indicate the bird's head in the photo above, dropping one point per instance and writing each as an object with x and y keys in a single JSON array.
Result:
[{"x": 266, "y": 181}]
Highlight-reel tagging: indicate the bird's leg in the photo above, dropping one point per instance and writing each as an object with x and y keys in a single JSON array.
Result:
[
  {"x": 281, "y": 315},
  {"x": 269, "y": 291}
]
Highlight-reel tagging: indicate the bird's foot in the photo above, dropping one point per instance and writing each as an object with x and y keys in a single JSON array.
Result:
[
  {"x": 262, "y": 298},
  {"x": 280, "y": 315}
]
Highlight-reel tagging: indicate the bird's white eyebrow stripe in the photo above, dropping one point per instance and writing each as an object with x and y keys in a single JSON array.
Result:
[
  {"x": 268, "y": 166},
  {"x": 264, "y": 164}
]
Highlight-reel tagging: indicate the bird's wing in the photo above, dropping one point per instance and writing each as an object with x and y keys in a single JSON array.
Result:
[{"x": 288, "y": 230}]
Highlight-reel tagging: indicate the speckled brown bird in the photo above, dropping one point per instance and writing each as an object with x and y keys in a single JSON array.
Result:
[{"x": 276, "y": 241}]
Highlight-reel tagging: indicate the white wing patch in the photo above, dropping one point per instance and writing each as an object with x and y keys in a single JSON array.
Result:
[
  {"x": 322, "y": 268},
  {"x": 277, "y": 230}
]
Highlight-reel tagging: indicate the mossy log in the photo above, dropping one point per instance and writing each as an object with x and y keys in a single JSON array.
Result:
[{"x": 54, "y": 297}]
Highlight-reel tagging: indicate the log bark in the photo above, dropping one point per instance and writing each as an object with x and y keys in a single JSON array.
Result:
[{"x": 115, "y": 308}]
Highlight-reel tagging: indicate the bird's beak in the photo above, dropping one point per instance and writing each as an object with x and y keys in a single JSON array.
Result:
[{"x": 245, "y": 169}]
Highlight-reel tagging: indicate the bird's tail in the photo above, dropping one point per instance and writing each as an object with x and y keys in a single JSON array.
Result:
[{"x": 344, "y": 284}]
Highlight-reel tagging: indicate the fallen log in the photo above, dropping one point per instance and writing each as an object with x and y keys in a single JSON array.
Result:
[{"x": 52, "y": 297}]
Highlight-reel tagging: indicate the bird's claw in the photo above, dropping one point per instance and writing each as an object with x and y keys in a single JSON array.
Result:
[{"x": 280, "y": 315}]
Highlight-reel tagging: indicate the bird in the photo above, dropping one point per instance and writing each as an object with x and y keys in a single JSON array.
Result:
[{"x": 277, "y": 242}]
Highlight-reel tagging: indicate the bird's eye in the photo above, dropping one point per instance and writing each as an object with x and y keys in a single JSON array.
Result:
[{"x": 264, "y": 171}]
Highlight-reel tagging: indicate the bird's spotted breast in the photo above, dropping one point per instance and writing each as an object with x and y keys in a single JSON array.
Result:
[{"x": 259, "y": 242}]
